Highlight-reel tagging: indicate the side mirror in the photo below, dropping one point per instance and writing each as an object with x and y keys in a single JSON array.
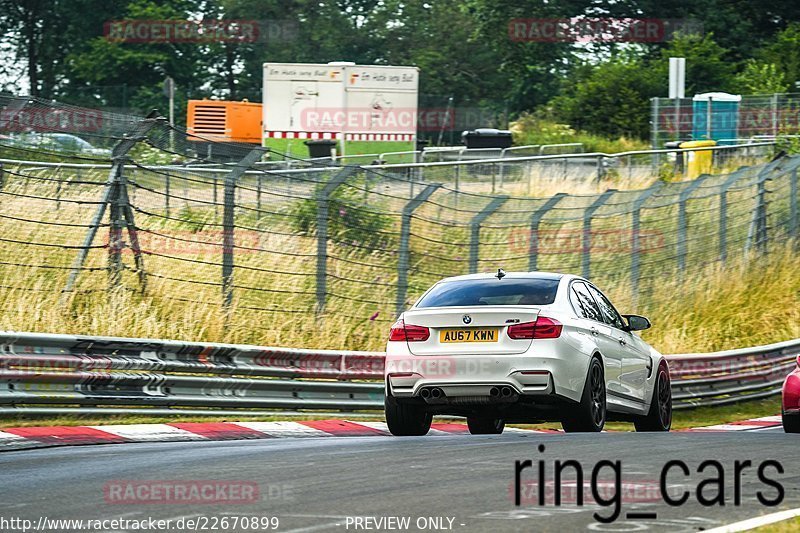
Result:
[{"x": 636, "y": 322}]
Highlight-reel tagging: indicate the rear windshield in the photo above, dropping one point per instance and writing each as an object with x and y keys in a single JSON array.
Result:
[{"x": 493, "y": 291}]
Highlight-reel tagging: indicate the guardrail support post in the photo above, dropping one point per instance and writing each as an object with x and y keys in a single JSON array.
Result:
[
  {"x": 682, "y": 223},
  {"x": 586, "y": 237},
  {"x": 536, "y": 218},
  {"x": 228, "y": 222},
  {"x": 403, "y": 252},
  {"x": 322, "y": 197},
  {"x": 111, "y": 193},
  {"x": 636, "y": 242},
  {"x": 502, "y": 166},
  {"x": 475, "y": 230},
  {"x": 599, "y": 169}
]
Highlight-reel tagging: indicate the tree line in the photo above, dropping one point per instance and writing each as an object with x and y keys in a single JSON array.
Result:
[{"x": 61, "y": 49}]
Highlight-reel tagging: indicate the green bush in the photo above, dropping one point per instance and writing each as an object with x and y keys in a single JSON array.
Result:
[
  {"x": 537, "y": 128},
  {"x": 349, "y": 220}
]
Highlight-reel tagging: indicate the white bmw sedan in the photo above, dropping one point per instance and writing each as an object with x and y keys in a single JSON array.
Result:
[{"x": 522, "y": 347}]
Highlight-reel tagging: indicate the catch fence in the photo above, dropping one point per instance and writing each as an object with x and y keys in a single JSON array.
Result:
[{"x": 278, "y": 248}]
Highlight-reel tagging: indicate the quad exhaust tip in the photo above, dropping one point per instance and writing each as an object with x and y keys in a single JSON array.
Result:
[
  {"x": 506, "y": 392},
  {"x": 431, "y": 393}
]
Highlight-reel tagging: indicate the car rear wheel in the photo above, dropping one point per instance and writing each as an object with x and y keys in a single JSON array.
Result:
[
  {"x": 590, "y": 414},
  {"x": 485, "y": 426},
  {"x": 406, "y": 420},
  {"x": 791, "y": 422},
  {"x": 659, "y": 417}
]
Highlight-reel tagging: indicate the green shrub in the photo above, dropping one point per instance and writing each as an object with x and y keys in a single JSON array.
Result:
[{"x": 349, "y": 220}]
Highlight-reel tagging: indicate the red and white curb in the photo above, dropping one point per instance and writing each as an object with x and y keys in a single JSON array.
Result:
[
  {"x": 41, "y": 437},
  {"x": 754, "y": 424}
]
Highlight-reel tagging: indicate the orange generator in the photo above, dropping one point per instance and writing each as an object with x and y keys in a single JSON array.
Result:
[{"x": 223, "y": 121}]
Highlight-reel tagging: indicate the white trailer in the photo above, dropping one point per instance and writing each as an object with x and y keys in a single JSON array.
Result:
[{"x": 363, "y": 109}]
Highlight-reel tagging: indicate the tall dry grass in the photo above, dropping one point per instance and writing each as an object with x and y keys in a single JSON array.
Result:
[{"x": 752, "y": 300}]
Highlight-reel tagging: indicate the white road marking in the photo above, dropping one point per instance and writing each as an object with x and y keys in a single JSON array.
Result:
[
  {"x": 758, "y": 521},
  {"x": 729, "y": 427},
  {"x": 149, "y": 432},
  {"x": 380, "y": 426},
  {"x": 284, "y": 429},
  {"x": 9, "y": 441},
  {"x": 776, "y": 419}
]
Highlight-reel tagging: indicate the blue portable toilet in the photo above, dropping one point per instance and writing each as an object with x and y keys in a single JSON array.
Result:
[{"x": 724, "y": 111}]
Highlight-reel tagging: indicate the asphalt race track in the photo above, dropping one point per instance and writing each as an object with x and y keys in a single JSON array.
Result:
[{"x": 322, "y": 484}]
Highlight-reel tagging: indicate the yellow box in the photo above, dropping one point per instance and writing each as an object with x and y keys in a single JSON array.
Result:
[{"x": 698, "y": 161}]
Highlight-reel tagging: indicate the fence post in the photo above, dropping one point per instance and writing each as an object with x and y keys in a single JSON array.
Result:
[
  {"x": 636, "y": 243},
  {"x": 166, "y": 193},
  {"x": 586, "y": 238},
  {"x": 475, "y": 230},
  {"x": 405, "y": 234},
  {"x": 536, "y": 218},
  {"x": 228, "y": 222},
  {"x": 258, "y": 195},
  {"x": 110, "y": 194},
  {"x": 322, "y": 198},
  {"x": 133, "y": 234},
  {"x": 654, "y": 137},
  {"x": 216, "y": 205},
  {"x": 761, "y": 213},
  {"x": 723, "y": 212},
  {"x": 116, "y": 223},
  {"x": 757, "y": 233},
  {"x": 682, "y": 222},
  {"x": 792, "y": 206}
]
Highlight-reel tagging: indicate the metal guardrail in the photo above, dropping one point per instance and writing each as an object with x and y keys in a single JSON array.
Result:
[
  {"x": 598, "y": 161},
  {"x": 45, "y": 373},
  {"x": 720, "y": 378}
]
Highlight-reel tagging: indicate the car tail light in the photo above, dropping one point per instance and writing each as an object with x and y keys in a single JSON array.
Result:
[
  {"x": 408, "y": 332},
  {"x": 543, "y": 328}
]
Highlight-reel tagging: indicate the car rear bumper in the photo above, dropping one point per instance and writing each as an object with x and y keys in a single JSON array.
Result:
[{"x": 474, "y": 376}]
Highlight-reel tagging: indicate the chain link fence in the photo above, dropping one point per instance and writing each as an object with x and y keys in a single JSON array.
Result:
[
  {"x": 727, "y": 122},
  {"x": 343, "y": 244}
]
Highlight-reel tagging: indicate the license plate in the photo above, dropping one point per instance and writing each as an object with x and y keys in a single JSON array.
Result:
[{"x": 468, "y": 335}]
